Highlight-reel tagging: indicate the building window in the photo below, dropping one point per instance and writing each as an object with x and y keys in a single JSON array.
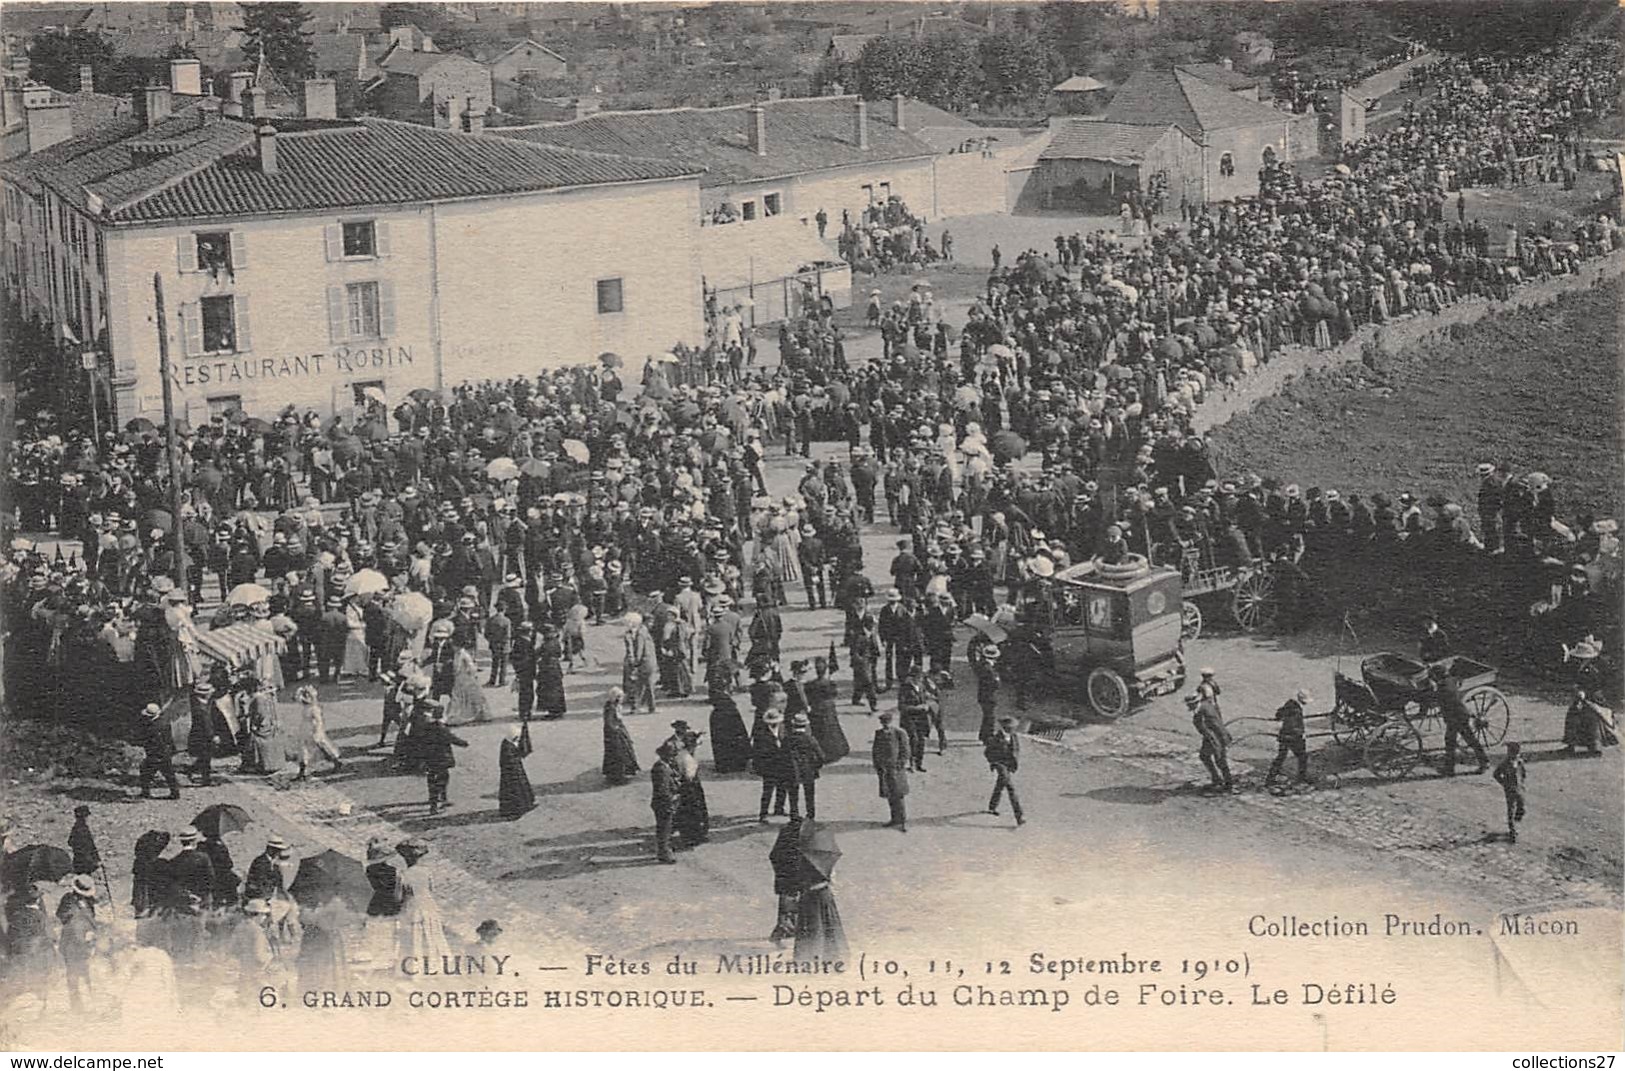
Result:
[
  {"x": 361, "y": 303},
  {"x": 214, "y": 252},
  {"x": 885, "y": 191},
  {"x": 1227, "y": 165},
  {"x": 360, "y": 240},
  {"x": 219, "y": 324},
  {"x": 610, "y": 297},
  {"x": 359, "y": 390},
  {"x": 771, "y": 205},
  {"x": 869, "y": 193},
  {"x": 747, "y": 211},
  {"x": 224, "y": 404}
]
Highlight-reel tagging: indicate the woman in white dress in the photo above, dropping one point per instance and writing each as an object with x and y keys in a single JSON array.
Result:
[
  {"x": 355, "y": 639},
  {"x": 420, "y": 932},
  {"x": 467, "y": 702}
]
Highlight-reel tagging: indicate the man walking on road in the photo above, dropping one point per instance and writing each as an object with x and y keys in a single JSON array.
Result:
[
  {"x": 1290, "y": 738},
  {"x": 1215, "y": 740},
  {"x": 1458, "y": 721},
  {"x": 1003, "y": 754},
  {"x": 1511, "y": 774},
  {"x": 890, "y": 754}
]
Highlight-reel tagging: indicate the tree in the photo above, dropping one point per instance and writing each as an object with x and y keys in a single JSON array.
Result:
[
  {"x": 278, "y": 29},
  {"x": 55, "y": 58},
  {"x": 1018, "y": 66},
  {"x": 951, "y": 71},
  {"x": 397, "y": 14},
  {"x": 888, "y": 65}
]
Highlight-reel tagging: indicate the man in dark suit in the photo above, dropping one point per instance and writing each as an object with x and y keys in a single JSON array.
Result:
[
  {"x": 663, "y": 799},
  {"x": 265, "y": 880},
  {"x": 154, "y": 738},
  {"x": 333, "y": 630},
  {"x": 1003, "y": 753},
  {"x": 890, "y": 628},
  {"x": 191, "y": 874},
  {"x": 803, "y": 758},
  {"x": 1434, "y": 646},
  {"x": 769, "y": 760},
  {"x": 890, "y": 754},
  {"x": 438, "y": 760},
  {"x": 1290, "y": 739},
  {"x": 914, "y": 703},
  {"x": 1458, "y": 721}
]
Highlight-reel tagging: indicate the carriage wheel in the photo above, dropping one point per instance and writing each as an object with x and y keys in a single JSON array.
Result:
[
  {"x": 1108, "y": 693},
  {"x": 1190, "y": 621},
  {"x": 1253, "y": 603},
  {"x": 1351, "y": 726},
  {"x": 1491, "y": 714},
  {"x": 1394, "y": 749}
]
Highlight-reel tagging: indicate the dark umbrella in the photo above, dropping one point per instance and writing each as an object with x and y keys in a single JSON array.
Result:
[
  {"x": 256, "y": 426},
  {"x": 37, "y": 862},
  {"x": 686, "y": 413},
  {"x": 331, "y": 876},
  {"x": 221, "y": 818},
  {"x": 346, "y": 450},
  {"x": 423, "y": 394},
  {"x": 371, "y": 431},
  {"x": 140, "y": 424},
  {"x": 159, "y": 519},
  {"x": 819, "y": 851},
  {"x": 1007, "y": 446},
  {"x": 610, "y": 360}
]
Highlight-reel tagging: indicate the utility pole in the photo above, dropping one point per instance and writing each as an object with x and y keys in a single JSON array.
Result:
[{"x": 172, "y": 447}]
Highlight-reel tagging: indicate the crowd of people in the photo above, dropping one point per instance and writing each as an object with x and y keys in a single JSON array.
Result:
[{"x": 425, "y": 544}]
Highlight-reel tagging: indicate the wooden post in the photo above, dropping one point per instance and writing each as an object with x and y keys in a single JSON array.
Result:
[{"x": 171, "y": 437}]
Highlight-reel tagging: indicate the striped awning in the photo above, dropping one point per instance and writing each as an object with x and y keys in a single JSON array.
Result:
[{"x": 239, "y": 645}]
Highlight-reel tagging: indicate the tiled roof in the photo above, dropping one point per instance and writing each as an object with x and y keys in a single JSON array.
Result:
[
  {"x": 918, "y": 115},
  {"x": 1079, "y": 83},
  {"x": 1090, "y": 139},
  {"x": 339, "y": 53},
  {"x": 32, "y": 18},
  {"x": 1220, "y": 75},
  {"x": 417, "y": 64},
  {"x": 803, "y": 136},
  {"x": 211, "y": 170},
  {"x": 1160, "y": 96}
]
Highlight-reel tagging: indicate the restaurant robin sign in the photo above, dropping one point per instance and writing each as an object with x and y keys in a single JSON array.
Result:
[{"x": 345, "y": 361}]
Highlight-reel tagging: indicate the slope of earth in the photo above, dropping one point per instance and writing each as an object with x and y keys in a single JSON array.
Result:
[{"x": 1537, "y": 387}]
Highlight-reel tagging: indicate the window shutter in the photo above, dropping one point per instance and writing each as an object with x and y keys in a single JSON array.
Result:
[
  {"x": 338, "y": 315},
  {"x": 386, "y": 308},
  {"x": 191, "y": 329},
  {"x": 380, "y": 238},
  {"x": 239, "y": 323},
  {"x": 239, "y": 250},
  {"x": 333, "y": 234},
  {"x": 186, "y": 252}
]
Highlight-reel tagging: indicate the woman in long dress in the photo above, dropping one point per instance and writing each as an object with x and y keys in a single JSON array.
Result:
[
  {"x": 730, "y": 741},
  {"x": 550, "y": 675},
  {"x": 620, "y": 758},
  {"x": 467, "y": 702},
  {"x": 819, "y": 933},
  {"x": 323, "y": 962},
  {"x": 693, "y": 818},
  {"x": 822, "y": 699},
  {"x": 355, "y": 640},
  {"x": 515, "y": 796},
  {"x": 260, "y": 752},
  {"x": 384, "y": 909},
  {"x": 421, "y": 934}
]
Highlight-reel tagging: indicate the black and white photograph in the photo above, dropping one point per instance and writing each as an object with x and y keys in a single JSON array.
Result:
[{"x": 817, "y": 525}]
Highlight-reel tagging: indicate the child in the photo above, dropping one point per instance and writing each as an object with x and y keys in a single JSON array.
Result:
[
  {"x": 498, "y": 636},
  {"x": 1511, "y": 774}
]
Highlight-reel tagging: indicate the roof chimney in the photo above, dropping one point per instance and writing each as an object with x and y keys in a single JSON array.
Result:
[
  {"x": 897, "y": 101},
  {"x": 87, "y": 78},
  {"x": 473, "y": 121},
  {"x": 265, "y": 145},
  {"x": 237, "y": 83},
  {"x": 1228, "y": 64},
  {"x": 756, "y": 131},
  {"x": 254, "y": 102},
  {"x": 860, "y": 123},
  {"x": 49, "y": 124},
  {"x": 208, "y": 110},
  {"x": 401, "y": 36},
  {"x": 186, "y": 77},
  {"x": 152, "y": 105},
  {"x": 320, "y": 99}
]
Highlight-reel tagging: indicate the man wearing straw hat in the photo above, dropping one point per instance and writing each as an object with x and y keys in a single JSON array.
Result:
[
  {"x": 76, "y": 911},
  {"x": 154, "y": 738}
]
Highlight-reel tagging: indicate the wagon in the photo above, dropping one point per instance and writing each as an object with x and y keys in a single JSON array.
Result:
[
  {"x": 1117, "y": 627},
  {"x": 1250, "y": 588},
  {"x": 1389, "y": 712}
]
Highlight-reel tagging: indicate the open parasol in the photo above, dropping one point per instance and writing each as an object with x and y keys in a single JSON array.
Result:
[
  {"x": 1000, "y": 350},
  {"x": 576, "y": 451},
  {"x": 610, "y": 360},
  {"x": 331, "y": 876},
  {"x": 37, "y": 862},
  {"x": 256, "y": 426},
  {"x": 247, "y": 595},
  {"x": 423, "y": 394},
  {"x": 502, "y": 468},
  {"x": 967, "y": 395},
  {"x": 411, "y": 610},
  {"x": 140, "y": 424},
  {"x": 1007, "y": 446},
  {"x": 159, "y": 519},
  {"x": 536, "y": 467},
  {"x": 220, "y": 818},
  {"x": 987, "y": 627},
  {"x": 664, "y": 358},
  {"x": 366, "y": 582},
  {"x": 376, "y": 394},
  {"x": 819, "y": 852}
]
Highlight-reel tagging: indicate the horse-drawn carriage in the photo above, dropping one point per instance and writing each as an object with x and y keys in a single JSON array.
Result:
[
  {"x": 1251, "y": 587},
  {"x": 1387, "y": 713},
  {"x": 1117, "y": 626}
]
